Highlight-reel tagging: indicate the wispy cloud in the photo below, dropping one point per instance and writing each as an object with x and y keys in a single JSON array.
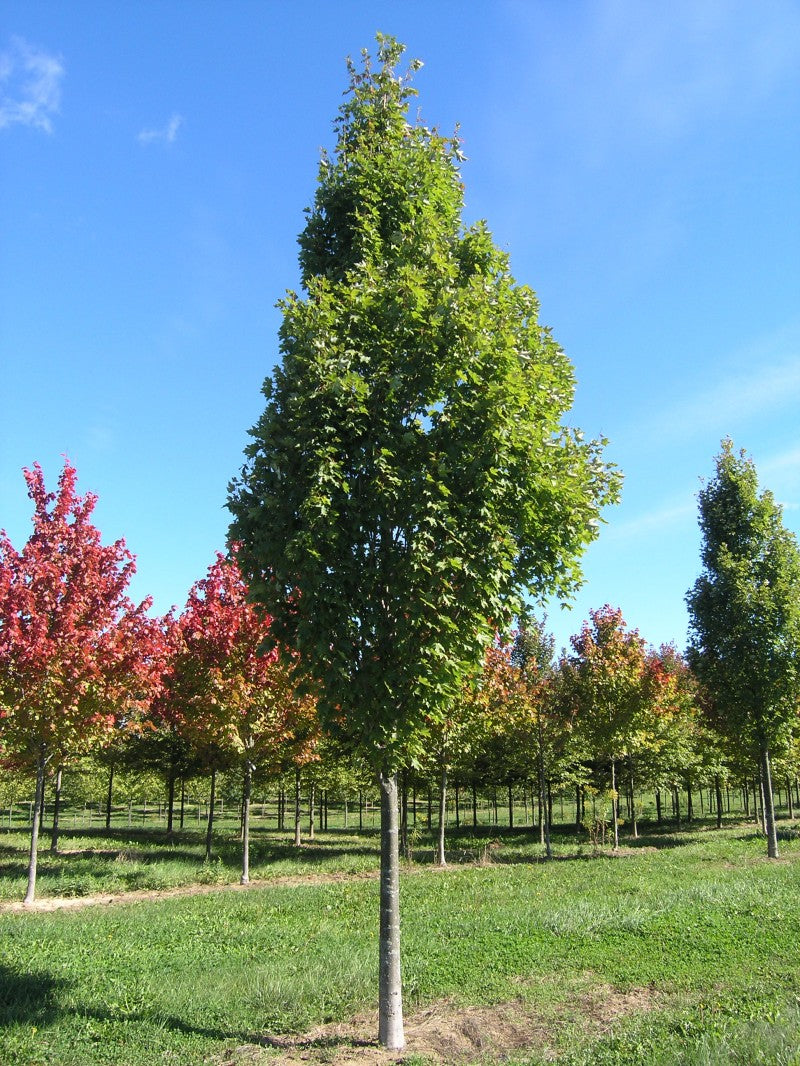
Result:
[
  {"x": 30, "y": 86},
  {"x": 166, "y": 134},
  {"x": 666, "y": 516},
  {"x": 765, "y": 379}
]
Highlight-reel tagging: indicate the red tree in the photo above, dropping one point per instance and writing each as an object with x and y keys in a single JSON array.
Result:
[
  {"x": 236, "y": 686},
  {"x": 75, "y": 653}
]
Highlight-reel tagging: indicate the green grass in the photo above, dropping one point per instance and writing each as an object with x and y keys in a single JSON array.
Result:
[{"x": 698, "y": 923}]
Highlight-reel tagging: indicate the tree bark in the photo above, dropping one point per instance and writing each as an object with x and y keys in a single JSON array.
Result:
[
  {"x": 658, "y": 806},
  {"x": 56, "y": 811},
  {"x": 718, "y": 791},
  {"x": 212, "y": 801},
  {"x": 390, "y": 989},
  {"x": 109, "y": 794},
  {"x": 297, "y": 812},
  {"x": 440, "y": 855},
  {"x": 769, "y": 804},
  {"x": 41, "y": 763},
  {"x": 246, "y": 792},
  {"x": 789, "y": 801},
  {"x": 614, "y": 803}
]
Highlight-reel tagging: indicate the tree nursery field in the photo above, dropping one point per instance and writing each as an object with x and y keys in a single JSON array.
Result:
[{"x": 680, "y": 947}]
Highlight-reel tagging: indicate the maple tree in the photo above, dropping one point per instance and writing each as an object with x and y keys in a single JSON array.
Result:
[
  {"x": 76, "y": 655},
  {"x": 603, "y": 678},
  {"x": 237, "y": 696},
  {"x": 411, "y": 478}
]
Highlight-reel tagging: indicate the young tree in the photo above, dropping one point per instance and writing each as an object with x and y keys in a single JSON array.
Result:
[
  {"x": 75, "y": 653},
  {"x": 744, "y": 609},
  {"x": 237, "y": 696},
  {"x": 410, "y": 477},
  {"x": 605, "y": 677}
]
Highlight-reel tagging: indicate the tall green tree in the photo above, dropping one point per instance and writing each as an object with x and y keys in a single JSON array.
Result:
[
  {"x": 744, "y": 640},
  {"x": 410, "y": 477}
]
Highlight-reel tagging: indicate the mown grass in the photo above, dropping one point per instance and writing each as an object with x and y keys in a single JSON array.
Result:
[{"x": 700, "y": 922}]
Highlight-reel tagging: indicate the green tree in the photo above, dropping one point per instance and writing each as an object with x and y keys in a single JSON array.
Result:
[
  {"x": 744, "y": 640},
  {"x": 410, "y": 477}
]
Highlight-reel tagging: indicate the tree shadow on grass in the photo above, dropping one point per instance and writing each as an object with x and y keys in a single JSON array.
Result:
[{"x": 29, "y": 999}]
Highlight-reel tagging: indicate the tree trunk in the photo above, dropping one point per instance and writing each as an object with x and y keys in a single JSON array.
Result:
[
  {"x": 718, "y": 791},
  {"x": 109, "y": 794},
  {"x": 212, "y": 801},
  {"x": 246, "y": 791},
  {"x": 789, "y": 800},
  {"x": 41, "y": 763},
  {"x": 183, "y": 800},
  {"x": 311, "y": 800},
  {"x": 56, "y": 811},
  {"x": 390, "y": 988},
  {"x": 689, "y": 804},
  {"x": 440, "y": 855},
  {"x": 614, "y": 803},
  {"x": 769, "y": 805},
  {"x": 658, "y": 806},
  {"x": 297, "y": 808},
  {"x": 404, "y": 814},
  {"x": 171, "y": 779}
]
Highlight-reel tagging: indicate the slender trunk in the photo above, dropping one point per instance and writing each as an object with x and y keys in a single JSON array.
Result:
[
  {"x": 789, "y": 800},
  {"x": 658, "y": 806},
  {"x": 390, "y": 988},
  {"x": 246, "y": 791},
  {"x": 769, "y": 805},
  {"x": 404, "y": 814},
  {"x": 212, "y": 801},
  {"x": 614, "y": 803},
  {"x": 183, "y": 800},
  {"x": 109, "y": 795},
  {"x": 30, "y": 893},
  {"x": 758, "y": 786},
  {"x": 56, "y": 811},
  {"x": 440, "y": 856},
  {"x": 297, "y": 808},
  {"x": 718, "y": 792},
  {"x": 360, "y": 809},
  {"x": 545, "y": 821},
  {"x": 689, "y": 804},
  {"x": 311, "y": 799},
  {"x": 171, "y": 780}
]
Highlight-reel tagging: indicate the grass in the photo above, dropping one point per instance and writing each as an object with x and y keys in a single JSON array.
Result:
[{"x": 696, "y": 926}]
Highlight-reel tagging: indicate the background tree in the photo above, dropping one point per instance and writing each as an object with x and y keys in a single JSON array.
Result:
[
  {"x": 75, "y": 653},
  {"x": 744, "y": 639},
  {"x": 237, "y": 694},
  {"x": 604, "y": 676},
  {"x": 410, "y": 476}
]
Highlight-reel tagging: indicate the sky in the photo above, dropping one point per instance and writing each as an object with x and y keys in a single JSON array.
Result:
[{"x": 639, "y": 161}]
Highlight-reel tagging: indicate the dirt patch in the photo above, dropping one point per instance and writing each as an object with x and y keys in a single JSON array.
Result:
[
  {"x": 57, "y": 903},
  {"x": 445, "y": 1034}
]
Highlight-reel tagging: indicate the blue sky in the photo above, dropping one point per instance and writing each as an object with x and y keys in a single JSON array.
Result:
[{"x": 639, "y": 161}]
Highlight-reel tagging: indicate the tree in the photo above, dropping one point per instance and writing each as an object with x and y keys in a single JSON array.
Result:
[
  {"x": 605, "y": 678},
  {"x": 237, "y": 695},
  {"x": 75, "y": 653},
  {"x": 410, "y": 477},
  {"x": 744, "y": 640}
]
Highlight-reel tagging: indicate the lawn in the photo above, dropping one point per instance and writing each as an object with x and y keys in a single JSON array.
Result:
[{"x": 682, "y": 949}]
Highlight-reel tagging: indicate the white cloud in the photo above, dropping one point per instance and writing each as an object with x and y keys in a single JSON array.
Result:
[
  {"x": 30, "y": 86},
  {"x": 166, "y": 134},
  {"x": 765, "y": 380},
  {"x": 667, "y": 516}
]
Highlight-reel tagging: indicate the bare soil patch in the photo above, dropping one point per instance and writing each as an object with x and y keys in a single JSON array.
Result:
[
  {"x": 57, "y": 903},
  {"x": 444, "y": 1034}
]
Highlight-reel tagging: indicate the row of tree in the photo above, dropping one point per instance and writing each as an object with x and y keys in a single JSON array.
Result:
[{"x": 208, "y": 690}]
